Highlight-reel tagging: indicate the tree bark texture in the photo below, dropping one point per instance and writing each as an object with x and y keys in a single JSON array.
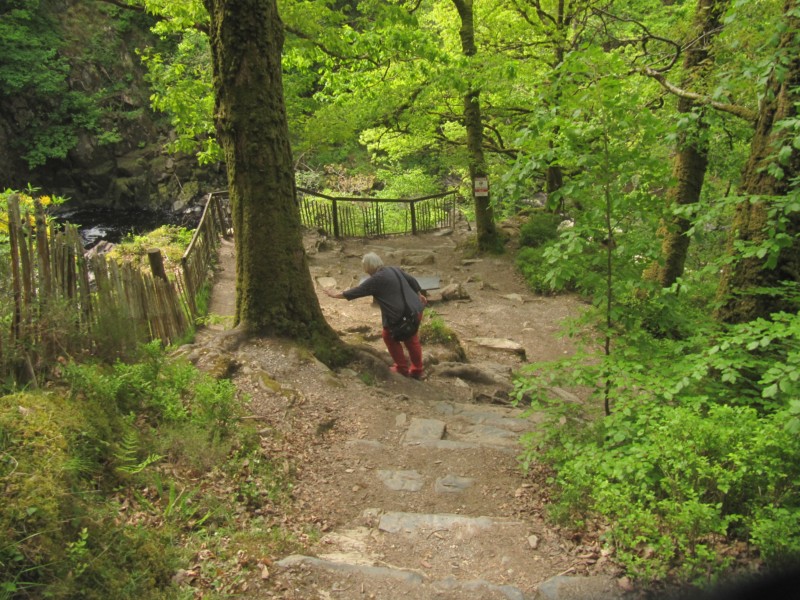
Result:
[
  {"x": 741, "y": 293},
  {"x": 274, "y": 290},
  {"x": 473, "y": 123},
  {"x": 554, "y": 178},
  {"x": 691, "y": 159}
]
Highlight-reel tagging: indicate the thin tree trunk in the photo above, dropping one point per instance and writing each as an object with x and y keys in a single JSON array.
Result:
[
  {"x": 274, "y": 290},
  {"x": 742, "y": 293},
  {"x": 691, "y": 160},
  {"x": 555, "y": 176},
  {"x": 484, "y": 214}
]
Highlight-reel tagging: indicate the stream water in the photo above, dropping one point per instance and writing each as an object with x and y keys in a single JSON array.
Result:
[{"x": 96, "y": 224}]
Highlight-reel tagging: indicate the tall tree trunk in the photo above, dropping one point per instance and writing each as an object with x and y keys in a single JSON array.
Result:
[
  {"x": 484, "y": 214},
  {"x": 554, "y": 177},
  {"x": 691, "y": 160},
  {"x": 741, "y": 291},
  {"x": 274, "y": 291}
]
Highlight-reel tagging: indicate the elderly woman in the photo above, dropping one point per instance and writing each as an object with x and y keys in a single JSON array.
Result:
[{"x": 389, "y": 286}]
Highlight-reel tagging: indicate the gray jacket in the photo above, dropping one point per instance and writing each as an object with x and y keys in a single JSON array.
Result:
[{"x": 384, "y": 287}]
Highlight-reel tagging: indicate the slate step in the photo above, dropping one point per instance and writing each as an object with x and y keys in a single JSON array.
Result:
[
  {"x": 457, "y": 426},
  {"x": 347, "y": 580},
  {"x": 430, "y": 460},
  {"x": 395, "y": 556},
  {"x": 444, "y": 556}
]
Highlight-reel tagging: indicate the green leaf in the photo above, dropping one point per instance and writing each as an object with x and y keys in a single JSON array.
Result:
[{"x": 770, "y": 391}]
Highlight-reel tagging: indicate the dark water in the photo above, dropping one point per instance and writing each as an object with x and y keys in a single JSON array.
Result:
[{"x": 97, "y": 224}]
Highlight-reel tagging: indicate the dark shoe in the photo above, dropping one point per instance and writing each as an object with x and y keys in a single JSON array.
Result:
[{"x": 416, "y": 374}]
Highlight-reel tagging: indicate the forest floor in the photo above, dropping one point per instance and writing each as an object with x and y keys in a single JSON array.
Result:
[{"x": 414, "y": 487}]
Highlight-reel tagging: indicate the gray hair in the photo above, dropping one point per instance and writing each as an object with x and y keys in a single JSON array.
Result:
[{"x": 371, "y": 262}]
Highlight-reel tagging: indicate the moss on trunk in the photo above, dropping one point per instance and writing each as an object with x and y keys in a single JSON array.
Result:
[
  {"x": 691, "y": 160},
  {"x": 274, "y": 290},
  {"x": 743, "y": 293}
]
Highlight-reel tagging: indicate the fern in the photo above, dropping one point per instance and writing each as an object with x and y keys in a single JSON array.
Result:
[{"x": 127, "y": 455}]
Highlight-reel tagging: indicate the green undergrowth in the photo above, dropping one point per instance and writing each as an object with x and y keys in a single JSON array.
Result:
[
  {"x": 170, "y": 239},
  {"x": 534, "y": 260},
  {"x": 696, "y": 470},
  {"x": 434, "y": 330},
  {"x": 121, "y": 477}
]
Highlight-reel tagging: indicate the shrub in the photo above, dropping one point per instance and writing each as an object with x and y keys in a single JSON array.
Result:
[
  {"x": 158, "y": 388},
  {"x": 533, "y": 264},
  {"x": 700, "y": 449},
  {"x": 539, "y": 229},
  {"x": 170, "y": 239}
]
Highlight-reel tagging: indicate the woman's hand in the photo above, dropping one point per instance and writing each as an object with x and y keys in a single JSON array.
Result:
[{"x": 423, "y": 298}]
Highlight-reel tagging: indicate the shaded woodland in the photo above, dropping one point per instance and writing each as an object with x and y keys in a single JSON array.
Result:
[{"x": 646, "y": 152}]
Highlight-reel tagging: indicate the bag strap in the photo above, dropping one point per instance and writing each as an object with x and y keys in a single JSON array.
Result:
[{"x": 402, "y": 291}]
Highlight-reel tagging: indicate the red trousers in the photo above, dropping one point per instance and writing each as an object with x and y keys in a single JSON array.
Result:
[{"x": 399, "y": 356}]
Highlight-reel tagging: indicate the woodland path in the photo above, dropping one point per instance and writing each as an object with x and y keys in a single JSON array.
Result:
[{"x": 415, "y": 486}]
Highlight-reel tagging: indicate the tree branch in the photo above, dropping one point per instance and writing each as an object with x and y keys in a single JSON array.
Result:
[
  {"x": 121, "y": 4},
  {"x": 734, "y": 109},
  {"x": 327, "y": 50},
  {"x": 140, "y": 8},
  {"x": 648, "y": 35}
]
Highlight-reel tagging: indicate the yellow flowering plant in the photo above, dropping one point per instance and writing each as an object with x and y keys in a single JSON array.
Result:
[{"x": 27, "y": 205}]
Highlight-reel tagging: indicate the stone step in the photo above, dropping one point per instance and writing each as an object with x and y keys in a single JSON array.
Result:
[
  {"x": 432, "y": 462},
  {"x": 346, "y": 580},
  {"x": 444, "y": 556},
  {"x": 417, "y": 479},
  {"x": 399, "y": 555},
  {"x": 459, "y": 426}
]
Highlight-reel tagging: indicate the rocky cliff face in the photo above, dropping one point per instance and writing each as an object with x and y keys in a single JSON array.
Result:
[{"x": 124, "y": 165}]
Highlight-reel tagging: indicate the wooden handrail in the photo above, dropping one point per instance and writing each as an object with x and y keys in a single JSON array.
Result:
[{"x": 199, "y": 229}]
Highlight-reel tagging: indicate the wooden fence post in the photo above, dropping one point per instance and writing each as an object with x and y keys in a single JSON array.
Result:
[
  {"x": 16, "y": 277},
  {"x": 335, "y": 220},
  {"x": 156, "y": 260}
]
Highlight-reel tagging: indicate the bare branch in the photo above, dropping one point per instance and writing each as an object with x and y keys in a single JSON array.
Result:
[
  {"x": 122, "y": 4},
  {"x": 649, "y": 36}
]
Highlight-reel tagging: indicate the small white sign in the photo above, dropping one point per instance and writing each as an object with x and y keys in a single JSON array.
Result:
[{"x": 481, "y": 186}]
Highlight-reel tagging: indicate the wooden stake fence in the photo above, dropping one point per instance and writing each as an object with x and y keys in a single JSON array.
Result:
[{"x": 55, "y": 303}]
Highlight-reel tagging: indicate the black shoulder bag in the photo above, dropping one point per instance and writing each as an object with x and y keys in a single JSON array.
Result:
[{"x": 408, "y": 324}]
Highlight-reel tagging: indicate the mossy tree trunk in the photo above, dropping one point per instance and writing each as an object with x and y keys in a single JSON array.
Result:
[
  {"x": 473, "y": 123},
  {"x": 742, "y": 290},
  {"x": 691, "y": 159},
  {"x": 274, "y": 290}
]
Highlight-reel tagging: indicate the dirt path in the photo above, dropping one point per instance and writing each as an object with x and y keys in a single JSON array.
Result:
[{"x": 414, "y": 486}]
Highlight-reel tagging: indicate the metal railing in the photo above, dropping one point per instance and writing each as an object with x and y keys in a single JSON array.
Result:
[{"x": 375, "y": 217}]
